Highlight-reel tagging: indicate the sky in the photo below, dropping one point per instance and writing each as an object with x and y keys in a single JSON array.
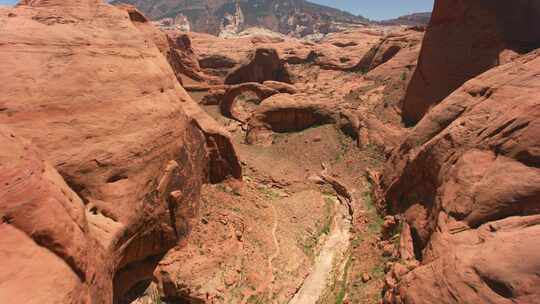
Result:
[
  {"x": 380, "y": 9},
  {"x": 372, "y": 9}
]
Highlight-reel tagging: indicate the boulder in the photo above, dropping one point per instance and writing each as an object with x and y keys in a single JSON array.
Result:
[{"x": 465, "y": 39}]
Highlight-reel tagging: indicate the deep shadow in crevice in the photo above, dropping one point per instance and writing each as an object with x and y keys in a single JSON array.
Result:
[
  {"x": 417, "y": 244},
  {"x": 499, "y": 288}
]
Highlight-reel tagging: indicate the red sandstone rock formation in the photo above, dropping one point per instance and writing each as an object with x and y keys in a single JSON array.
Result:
[
  {"x": 45, "y": 237},
  {"x": 227, "y": 103},
  {"x": 337, "y": 51},
  {"x": 467, "y": 181},
  {"x": 260, "y": 66},
  {"x": 94, "y": 95},
  {"x": 281, "y": 86},
  {"x": 287, "y": 113},
  {"x": 175, "y": 46},
  {"x": 387, "y": 49},
  {"x": 465, "y": 39},
  {"x": 223, "y": 162}
]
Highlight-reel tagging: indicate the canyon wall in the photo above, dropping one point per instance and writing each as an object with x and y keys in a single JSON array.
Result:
[
  {"x": 103, "y": 153},
  {"x": 465, "y": 39},
  {"x": 466, "y": 180}
]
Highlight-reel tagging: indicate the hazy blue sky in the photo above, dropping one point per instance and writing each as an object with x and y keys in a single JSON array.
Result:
[
  {"x": 380, "y": 9},
  {"x": 373, "y": 9}
]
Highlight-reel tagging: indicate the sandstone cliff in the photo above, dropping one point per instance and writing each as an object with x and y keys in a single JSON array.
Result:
[
  {"x": 465, "y": 39},
  {"x": 120, "y": 153},
  {"x": 466, "y": 180}
]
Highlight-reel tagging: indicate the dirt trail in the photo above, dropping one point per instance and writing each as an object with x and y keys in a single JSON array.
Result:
[
  {"x": 276, "y": 242},
  {"x": 268, "y": 282},
  {"x": 332, "y": 255}
]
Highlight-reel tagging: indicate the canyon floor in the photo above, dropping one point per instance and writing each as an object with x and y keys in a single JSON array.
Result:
[
  {"x": 302, "y": 227},
  {"x": 144, "y": 164},
  {"x": 285, "y": 235}
]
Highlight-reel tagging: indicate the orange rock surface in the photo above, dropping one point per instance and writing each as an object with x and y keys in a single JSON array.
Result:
[{"x": 101, "y": 104}]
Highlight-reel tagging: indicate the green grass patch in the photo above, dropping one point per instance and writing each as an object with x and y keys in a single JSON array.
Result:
[
  {"x": 269, "y": 193},
  {"x": 375, "y": 220},
  {"x": 323, "y": 227},
  {"x": 155, "y": 298},
  {"x": 340, "y": 297},
  {"x": 403, "y": 76},
  {"x": 328, "y": 215},
  {"x": 344, "y": 145},
  {"x": 254, "y": 299},
  {"x": 376, "y": 154},
  {"x": 378, "y": 270}
]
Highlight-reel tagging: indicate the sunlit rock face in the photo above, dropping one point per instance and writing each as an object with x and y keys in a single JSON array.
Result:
[
  {"x": 465, "y": 39},
  {"x": 101, "y": 167},
  {"x": 466, "y": 182}
]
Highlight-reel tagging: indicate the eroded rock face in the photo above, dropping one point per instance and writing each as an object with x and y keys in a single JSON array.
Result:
[
  {"x": 467, "y": 181},
  {"x": 44, "y": 233},
  {"x": 261, "y": 65},
  {"x": 281, "y": 86},
  {"x": 174, "y": 45},
  {"x": 465, "y": 39},
  {"x": 227, "y": 103},
  {"x": 287, "y": 113},
  {"x": 386, "y": 49},
  {"x": 337, "y": 51},
  {"x": 98, "y": 99},
  {"x": 223, "y": 162}
]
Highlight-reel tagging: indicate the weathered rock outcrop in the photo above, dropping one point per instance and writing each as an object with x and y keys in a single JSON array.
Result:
[
  {"x": 223, "y": 161},
  {"x": 44, "y": 233},
  {"x": 369, "y": 131},
  {"x": 174, "y": 45},
  {"x": 227, "y": 103},
  {"x": 281, "y": 86},
  {"x": 261, "y": 65},
  {"x": 337, "y": 51},
  {"x": 98, "y": 99},
  {"x": 387, "y": 49},
  {"x": 287, "y": 113},
  {"x": 185, "y": 55},
  {"x": 465, "y": 39},
  {"x": 467, "y": 183},
  {"x": 217, "y": 62}
]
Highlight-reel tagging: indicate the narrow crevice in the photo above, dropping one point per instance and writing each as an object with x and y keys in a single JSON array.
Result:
[
  {"x": 115, "y": 178},
  {"x": 499, "y": 287},
  {"x": 417, "y": 244},
  {"x": 78, "y": 188}
]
